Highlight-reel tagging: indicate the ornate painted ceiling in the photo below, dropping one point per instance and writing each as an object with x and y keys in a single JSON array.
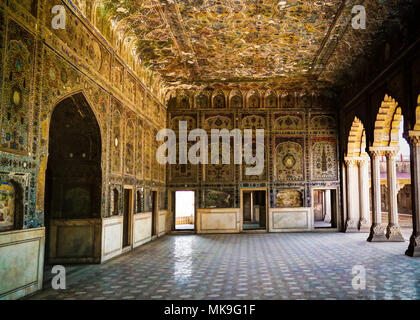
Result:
[{"x": 198, "y": 42}]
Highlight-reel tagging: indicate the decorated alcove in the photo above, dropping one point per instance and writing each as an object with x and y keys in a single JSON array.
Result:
[
  {"x": 73, "y": 183},
  {"x": 74, "y": 176},
  {"x": 300, "y": 152}
]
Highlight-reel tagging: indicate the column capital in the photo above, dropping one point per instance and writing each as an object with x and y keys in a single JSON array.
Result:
[
  {"x": 364, "y": 160},
  {"x": 351, "y": 161},
  {"x": 375, "y": 152},
  {"x": 391, "y": 153},
  {"x": 384, "y": 151},
  {"x": 414, "y": 137}
]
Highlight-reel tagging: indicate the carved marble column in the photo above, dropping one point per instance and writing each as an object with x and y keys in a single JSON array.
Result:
[
  {"x": 414, "y": 246},
  {"x": 377, "y": 229},
  {"x": 393, "y": 231},
  {"x": 364, "y": 223},
  {"x": 352, "y": 196}
]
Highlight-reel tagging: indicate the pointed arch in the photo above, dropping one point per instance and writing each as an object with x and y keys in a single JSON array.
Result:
[
  {"x": 74, "y": 161},
  {"x": 235, "y": 99},
  {"x": 253, "y": 99},
  {"x": 218, "y": 100},
  {"x": 202, "y": 100},
  {"x": 356, "y": 144},
  {"x": 387, "y": 123},
  {"x": 270, "y": 99}
]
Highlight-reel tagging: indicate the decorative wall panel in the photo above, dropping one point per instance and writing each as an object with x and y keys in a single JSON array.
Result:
[
  {"x": 117, "y": 137},
  {"x": 324, "y": 158},
  {"x": 18, "y": 75},
  {"x": 289, "y": 199},
  {"x": 289, "y": 159},
  {"x": 288, "y": 119},
  {"x": 129, "y": 150}
]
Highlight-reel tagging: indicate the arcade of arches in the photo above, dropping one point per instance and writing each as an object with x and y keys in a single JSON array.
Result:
[{"x": 81, "y": 107}]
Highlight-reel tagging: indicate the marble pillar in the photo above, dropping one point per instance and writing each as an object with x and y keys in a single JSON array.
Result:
[
  {"x": 377, "y": 229},
  {"x": 327, "y": 217},
  {"x": 352, "y": 196},
  {"x": 393, "y": 230},
  {"x": 414, "y": 246},
  {"x": 364, "y": 223}
]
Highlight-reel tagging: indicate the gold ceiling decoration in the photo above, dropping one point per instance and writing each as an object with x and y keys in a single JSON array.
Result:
[{"x": 201, "y": 42}]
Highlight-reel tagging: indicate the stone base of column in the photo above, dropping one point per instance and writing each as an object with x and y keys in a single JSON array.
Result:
[
  {"x": 414, "y": 246},
  {"x": 393, "y": 233},
  {"x": 351, "y": 226},
  {"x": 364, "y": 225},
  {"x": 377, "y": 233}
]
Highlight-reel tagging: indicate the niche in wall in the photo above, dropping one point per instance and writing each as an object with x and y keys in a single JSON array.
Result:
[
  {"x": 74, "y": 175},
  {"x": 115, "y": 210},
  {"x": 11, "y": 206}
]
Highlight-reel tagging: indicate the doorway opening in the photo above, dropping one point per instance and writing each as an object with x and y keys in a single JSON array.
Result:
[
  {"x": 324, "y": 208},
  {"x": 128, "y": 211},
  {"x": 254, "y": 214},
  {"x": 184, "y": 210},
  {"x": 154, "y": 213}
]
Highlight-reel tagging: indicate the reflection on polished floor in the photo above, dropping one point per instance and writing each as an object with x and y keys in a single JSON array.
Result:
[{"x": 249, "y": 266}]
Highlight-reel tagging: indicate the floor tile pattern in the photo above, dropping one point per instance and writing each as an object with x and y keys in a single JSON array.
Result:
[{"x": 249, "y": 266}]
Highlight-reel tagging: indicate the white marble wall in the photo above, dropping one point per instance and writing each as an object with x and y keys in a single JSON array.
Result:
[
  {"x": 142, "y": 228},
  {"x": 218, "y": 220},
  {"x": 290, "y": 219},
  {"x": 162, "y": 222},
  {"x": 112, "y": 237},
  {"x": 21, "y": 262}
]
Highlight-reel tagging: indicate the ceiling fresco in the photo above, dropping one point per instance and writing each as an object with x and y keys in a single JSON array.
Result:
[{"x": 197, "y": 42}]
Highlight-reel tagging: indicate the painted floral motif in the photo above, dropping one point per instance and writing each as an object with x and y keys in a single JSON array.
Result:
[
  {"x": 324, "y": 159},
  {"x": 218, "y": 199},
  {"x": 289, "y": 199},
  {"x": 289, "y": 161},
  {"x": 288, "y": 123}
]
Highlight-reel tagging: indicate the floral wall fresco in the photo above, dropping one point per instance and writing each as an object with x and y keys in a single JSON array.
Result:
[{"x": 291, "y": 120}]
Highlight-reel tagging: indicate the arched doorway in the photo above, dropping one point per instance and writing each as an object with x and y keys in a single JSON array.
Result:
[
  {"x": 390, "y": 155},
  {"x": 357, "y": 178},
  {"x": 73, "y": 183}
]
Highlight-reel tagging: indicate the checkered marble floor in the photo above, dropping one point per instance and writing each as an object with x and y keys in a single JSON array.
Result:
[{"x": 249, "y": 266}]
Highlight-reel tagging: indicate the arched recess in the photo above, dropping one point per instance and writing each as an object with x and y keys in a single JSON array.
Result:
[
  {"x": 202, "y": 100},
  {"x": 73, "y": 184},
  {"x": 253, "y": 99},
  {"x": 270, "y": 99},
  {"x": 235, "y": 99},
  {"x": 219, "y": 100}
]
